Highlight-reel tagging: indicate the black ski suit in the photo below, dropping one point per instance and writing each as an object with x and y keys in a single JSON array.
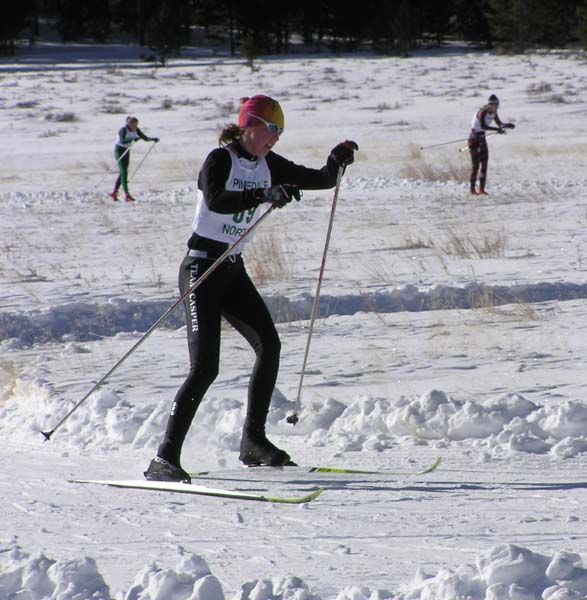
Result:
[{"x": 229, "y": 202}]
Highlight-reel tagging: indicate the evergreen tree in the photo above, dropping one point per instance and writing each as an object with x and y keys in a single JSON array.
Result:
[
  {"x": 77, "y": 20},
  {"x": 308, "y": 21},
  {"x": 404, "y": 27},
  {"x": 471, "y": 21},
  {"x": 14, "y": 18},
  {"x": 167, "y": 27},
  {"x": 97, "y": 17},
  {"x": 349, "y": 27},
  {"x": 432, "y": 20},
  {"x": 553, "y": 22},
  {"x": 519, "y": 24},
  {"x": 581, "y": 24},
  {"x": 126, "y": 17},
  {"x": 382, "y": 31},
  {"x": 70, "y": 22},
  {"x": 388, "y": 25},
  {"x": 249, "y": 52}
]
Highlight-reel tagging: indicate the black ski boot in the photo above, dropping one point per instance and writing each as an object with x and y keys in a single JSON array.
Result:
[
  {"x": 259, "y": 451},
  {"x": 162, "y": 470}
]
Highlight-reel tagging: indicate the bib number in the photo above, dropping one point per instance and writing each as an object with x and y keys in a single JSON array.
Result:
[{"x": 247, "y": 215}]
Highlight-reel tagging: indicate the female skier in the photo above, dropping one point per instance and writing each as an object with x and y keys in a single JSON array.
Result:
[
  {"x": 478, "y": 144},
  {"x": 127, "y": 135},
  {"x": 235, "y": 180}
]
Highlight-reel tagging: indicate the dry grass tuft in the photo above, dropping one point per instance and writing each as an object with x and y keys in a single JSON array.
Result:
[
  {"x": 66, "y": 117},
  {"x": 538, "y": 88},
  {"x": 411, "y": 243},
  {"x": 414, "y": 153},
  {"x": 483, "y": 245},
  {"x": 543, "y": 92},
  {"x": 113, "y": 107},
  {"x": 418, "y": 168},
  {"x": 8, "y": 376},
  {"x": 268, "y": 259},
  {"x": 489, "y": 300}
]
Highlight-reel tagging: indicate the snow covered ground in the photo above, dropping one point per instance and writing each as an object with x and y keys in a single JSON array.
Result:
[{"x": 449, "y": 327}]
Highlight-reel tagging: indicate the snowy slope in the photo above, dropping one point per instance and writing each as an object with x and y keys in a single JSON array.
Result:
[{"x": 449, "y": 327}]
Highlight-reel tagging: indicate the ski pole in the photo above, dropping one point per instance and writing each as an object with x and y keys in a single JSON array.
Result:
[
  {"x": 115, "y": 166},
  {"x": 142, "y": 161},
  {"x": 121, "y": 157},
  {"x": 464, "y": 148},
  {"x": 197, "y": 283},
  {"x": 443, "y": 144},
  {"x": 293, "y": 418}
]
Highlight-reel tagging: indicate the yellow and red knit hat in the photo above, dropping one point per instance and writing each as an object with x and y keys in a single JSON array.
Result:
[{"x": 261, "y": 106}]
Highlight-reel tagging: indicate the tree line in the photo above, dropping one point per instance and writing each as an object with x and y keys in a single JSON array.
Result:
[{"x": 281, "y": 26}]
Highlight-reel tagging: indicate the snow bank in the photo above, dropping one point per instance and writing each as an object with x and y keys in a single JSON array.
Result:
[
  {"x": 191, "y": 580},
  {"x": 107, "y": 420},
  {"x": 502, "y": 426},
  {"x": 38, "y": 578},
  {"x": 85, "y": 320},
  {"x": 278, "y": 588},
  {"x": 506, "y": 572}
]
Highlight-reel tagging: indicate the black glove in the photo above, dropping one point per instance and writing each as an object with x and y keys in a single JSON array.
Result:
[
  {"x": 509, "y": 126},
  {"x": 344, "y": 153},
  {"x": 501, "y": 130},
  {"x": 280, "y": 195},
  {"x": 155, "y": 140}
]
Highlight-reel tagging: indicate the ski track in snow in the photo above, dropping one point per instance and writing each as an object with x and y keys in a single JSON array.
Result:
[
  {"x": 447, "y": 327},
  {"x": 76, "y": 315},
  {"x": 83, "y": 321}
]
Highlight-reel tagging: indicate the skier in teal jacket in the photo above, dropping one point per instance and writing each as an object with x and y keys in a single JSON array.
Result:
[{"x": 127, "y": 136}]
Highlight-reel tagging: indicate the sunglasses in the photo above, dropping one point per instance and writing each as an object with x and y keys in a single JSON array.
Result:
[{"x": 271, "y": 127}]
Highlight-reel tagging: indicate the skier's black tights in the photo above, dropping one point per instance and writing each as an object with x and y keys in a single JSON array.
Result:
[
  {"x": 479, "y": 157},
  {"x": 227, "y": 292}
]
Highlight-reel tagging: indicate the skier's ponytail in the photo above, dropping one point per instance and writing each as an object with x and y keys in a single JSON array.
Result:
[{"x": 229, "y": 134}]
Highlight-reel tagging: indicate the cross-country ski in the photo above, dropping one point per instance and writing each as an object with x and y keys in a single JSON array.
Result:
[
  {"x": 300, "y": 470},
  {"x": 200, "y": 490}
]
